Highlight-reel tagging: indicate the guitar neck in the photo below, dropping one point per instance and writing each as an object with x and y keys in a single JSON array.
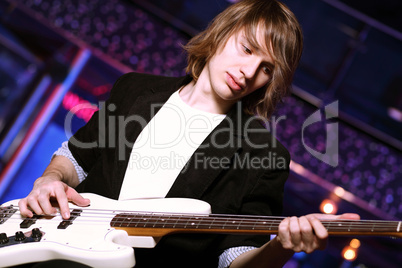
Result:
[{"x": 158, "y": 225}]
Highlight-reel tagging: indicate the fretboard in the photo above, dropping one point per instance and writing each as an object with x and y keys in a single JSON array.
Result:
[{"x": 160, "y": 224}]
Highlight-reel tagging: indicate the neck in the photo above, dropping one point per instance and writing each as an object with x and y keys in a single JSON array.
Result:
[
  {"x": 200, "y": 95},
  {"x": 160, "y": 224}
]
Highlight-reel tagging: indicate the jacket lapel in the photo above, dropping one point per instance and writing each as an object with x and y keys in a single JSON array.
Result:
[{"x": 209, "y": 159}]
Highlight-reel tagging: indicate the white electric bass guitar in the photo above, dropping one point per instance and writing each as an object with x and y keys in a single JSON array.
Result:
[{"x": 104, "y": 234}]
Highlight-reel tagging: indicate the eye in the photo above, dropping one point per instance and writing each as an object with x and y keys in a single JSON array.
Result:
[
  {"x": 246, "y": 49},
  {"x": 266, "y": 70}
]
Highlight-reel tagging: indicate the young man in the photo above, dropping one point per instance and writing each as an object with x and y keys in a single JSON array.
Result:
[{"x": 239, "y": 68}]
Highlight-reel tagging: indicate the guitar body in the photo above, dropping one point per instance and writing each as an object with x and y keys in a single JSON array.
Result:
[{"x": 89, "y": 238}]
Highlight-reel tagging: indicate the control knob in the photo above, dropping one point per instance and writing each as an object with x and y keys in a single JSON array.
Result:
[
  {"x": 19, "y": 236},
  {"x": 3, "y": 238}
]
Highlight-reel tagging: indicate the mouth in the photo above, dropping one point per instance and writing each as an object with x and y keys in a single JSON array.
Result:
[{"x": 234, "y": 83}]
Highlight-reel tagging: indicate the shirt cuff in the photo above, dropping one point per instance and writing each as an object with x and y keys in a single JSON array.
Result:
[
  {"x": 65, "y": 151},
  {"x": 228, "y": 256}
]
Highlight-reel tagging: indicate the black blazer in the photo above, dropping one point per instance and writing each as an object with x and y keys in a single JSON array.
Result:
[{"x": 253, "y": 166}]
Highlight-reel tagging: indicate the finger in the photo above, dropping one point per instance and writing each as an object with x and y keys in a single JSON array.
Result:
[
  {"x": 62, "y": 201},
  {"x": 345, "y": 216},
  {"x": 321, "y": 233},
  {"x": 307, "y": 234},
  {"x": 24, "y": 208},
  {"x": 46, "y": 206},
  {"x": 349, "y": 216},
  {"x": 319, "y": 229},
  {"x": 284, "y": 234},
  {"x": 76, "y": 198},
  {"x": 32, "y": 203},
  {"x": 295, "y": 233}
]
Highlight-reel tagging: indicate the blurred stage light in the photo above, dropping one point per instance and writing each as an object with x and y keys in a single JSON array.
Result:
[
  {"x": 339, "y": 191},
  {"x": 328, "y": 207},
  {"x": 349, "y": 253},
  {"x": 355, "y": 243}
]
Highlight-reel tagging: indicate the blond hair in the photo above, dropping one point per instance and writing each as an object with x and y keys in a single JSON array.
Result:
[{"x": 283, "y": 37}]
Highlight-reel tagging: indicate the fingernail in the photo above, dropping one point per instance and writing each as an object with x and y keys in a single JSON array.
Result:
[{"x": 66, "y": 215}]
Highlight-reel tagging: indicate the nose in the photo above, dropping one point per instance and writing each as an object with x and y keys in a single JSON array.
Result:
[{"x": 250, "y": 67}]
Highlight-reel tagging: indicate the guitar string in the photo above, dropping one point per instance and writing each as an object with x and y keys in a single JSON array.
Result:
[
  {"x": 217, "y": 220},
  {"x": 243, "y": 226},
  {"x": 224, "y": 217},
  {"x": 186, "y": 224},
  {"x": 113, "y": 212},
  {"x": 337, "y": 225},
  {"x": 235, "y": 220}
]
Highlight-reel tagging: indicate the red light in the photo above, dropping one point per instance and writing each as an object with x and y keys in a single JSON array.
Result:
[{"x": 81, "y": 108}]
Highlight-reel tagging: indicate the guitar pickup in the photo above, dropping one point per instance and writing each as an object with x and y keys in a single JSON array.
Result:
[
  {"x": 73, "y": 215},
  {"x": 26, "y": 223}
]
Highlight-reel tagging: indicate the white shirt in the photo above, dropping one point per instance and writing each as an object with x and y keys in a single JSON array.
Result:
[{"x": 163, "y": 148}]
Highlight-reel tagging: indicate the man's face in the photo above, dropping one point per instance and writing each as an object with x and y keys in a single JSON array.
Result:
[{"x": 239, "y": 68}]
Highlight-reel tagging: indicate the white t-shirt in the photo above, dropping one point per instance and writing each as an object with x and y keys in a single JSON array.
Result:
[{"x": 163, "y": 148}]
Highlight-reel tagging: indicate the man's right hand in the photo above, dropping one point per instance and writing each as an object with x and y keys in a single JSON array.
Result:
[{"x": 47, "y": 189}]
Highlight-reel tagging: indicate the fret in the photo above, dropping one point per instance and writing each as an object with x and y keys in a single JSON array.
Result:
[
  {"x": 117, "y": 220},
  {"x": 121, "y": 221},
  {"x": 270, "y": 226},
  {"x": 189, "y": 219},
  {"x": 153, "y": 220},
  {"x": 136, "y": 217},
  {"x": 197, "y": 220},
  {"x": 213, "y": 219},
  {"x": 169, "y": 222},
  {"x": 239, "y": 224},
  {"x": 247, "y": 224},
  {"x": 182, "y": 222},
  {"x": 165, "y": 221},
  {"x": 224, "y": 224},
  {"x": 174, "y": 225},
  {"x": 253, "y": 228},
  {"x": 230, "y": 223},
  {"x": 131, "y": 221},
  {"x": 262, "y": 225},
  {"x": 373, "y": 227},
  {"x": 157, "y": 221},
  {"x": 202, "y": 224},
  {"x": 172, "y": 221},
  {"x": 126, "y": 222},
  {"x": 137, "y": 220},
  {"x": 328, "y": 226},
  {"x": 145, "y": 220},
  {"x": 192, "y": 223}
]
